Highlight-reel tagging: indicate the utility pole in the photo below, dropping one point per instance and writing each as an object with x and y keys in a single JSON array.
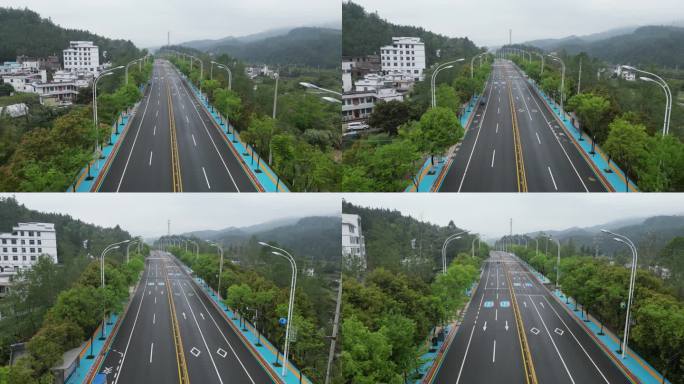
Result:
[
  {"x": 510, "y": 37},
  {"x": 168, "y": 228},
  {"x": 168, "y": 38},
  {"x": 336, "y": 325},
  {"x": 579, "y": 80}
]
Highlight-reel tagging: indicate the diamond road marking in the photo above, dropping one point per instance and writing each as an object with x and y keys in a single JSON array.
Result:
[
  {"x": 195, "y": 352},
  {"x": 559, "y": 331},
  {"x": 221, "y": 352},
  {"x": 535, "y": 331}
]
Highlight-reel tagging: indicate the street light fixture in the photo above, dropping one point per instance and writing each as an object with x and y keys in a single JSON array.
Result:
[
  {"x": 97, "y": 142},
  {"x": 230, "y": 74},
  {"x": 666, "y": 88},
  {"x": 444, "y": 248},
  {"x": 625, "y": 240},
  {"x": 220, "y": 249},
  {"x": 128, "y": 248},
  {"x": 293, "y": 283},
  {"x": 434, "y": 77},
  {"x": 108, "y": 248},
  {"x": 314, "y": 86},
  {"x": 562, "y": 96},
  {"x": 127, "y": 65}
]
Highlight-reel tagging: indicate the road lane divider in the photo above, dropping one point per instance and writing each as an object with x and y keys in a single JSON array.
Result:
[
  {"x": 183, "y": 377},
  {"x": 528, "y": 364},
  {"x": 175, "y": 162},
  {"x": 517, "y": 145}
]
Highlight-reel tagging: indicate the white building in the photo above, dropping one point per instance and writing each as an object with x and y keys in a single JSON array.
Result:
[
  {"x": 10, "y": 68},
  {"x": 82, "y": 79},
  {"x": 353, "y": 244},
  {"x": 21, "y": 248},
  {"x": 82, "y": 56},
  {"x": 56, "y": 94},
  {"x": 625, "y": 73},
  {"x": 357, "y": 105},
  {"x": 406, "y": 55},
  {"x": 24, "y": 82}
]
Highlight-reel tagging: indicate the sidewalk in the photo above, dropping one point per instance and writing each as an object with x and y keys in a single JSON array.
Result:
[
  {"x": 265, "y": 349},
  {"x": 259, "y": 170},
  {"x": 609, "y": 171},
  {"x": 85, "y": 365},
  {"x": 636, "y": 365},
  {"x": 429, "y": 174}
]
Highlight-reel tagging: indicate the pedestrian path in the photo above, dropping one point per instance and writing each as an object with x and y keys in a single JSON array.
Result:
[
  {"x": 86, "y": 363},
  {"x": 259, "y": 344}
]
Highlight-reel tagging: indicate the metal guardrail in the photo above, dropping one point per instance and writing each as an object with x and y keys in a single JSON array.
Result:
[
  {"x": 175, "y": 162},
  {"x": 530, "y": 374},
  {"x": 517, "y": 145},
  {"x": 183, "y": 377}
]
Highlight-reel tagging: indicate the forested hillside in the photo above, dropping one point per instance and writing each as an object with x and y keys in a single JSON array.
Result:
[
  {"x": 24, "y": 32},
  {"x": 364, "y": 34},
  {"x": 307, "y": 46}
]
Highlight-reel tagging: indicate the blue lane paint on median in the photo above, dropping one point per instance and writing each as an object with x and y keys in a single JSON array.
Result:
[
  {"x": 258, "y": 167},
  {"x": 266, "y": 350},
  {"x": 84, "y": 364},
  {"x": 610, "y": 171},
  {"x": 429, "y": 173}
]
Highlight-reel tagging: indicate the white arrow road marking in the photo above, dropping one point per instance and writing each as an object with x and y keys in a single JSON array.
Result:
[
  {"x": 506, "y": 325},
  {"x": 484, "y": 327},
  {"x": 525, "y": 304},
  {"x": 542, "y": 304},
  {"x": 184, "y": 318}
]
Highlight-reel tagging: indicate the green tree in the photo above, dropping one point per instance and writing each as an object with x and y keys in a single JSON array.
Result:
[
  {"x": 388, "y": 116},
  {"x": 626, "y": 143},
  {"x": 439, "y": 129},
  {"x": 591, "y": 109}
]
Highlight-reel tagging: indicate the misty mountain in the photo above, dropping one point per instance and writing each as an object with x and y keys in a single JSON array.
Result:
[
  {"x": 207, "y": 44},
  {"x": 316, "y": 237},
  {"x": 647, "y": 45},
  {"x": 650, "y": 235},
  {"x": 550, "y": 44}
]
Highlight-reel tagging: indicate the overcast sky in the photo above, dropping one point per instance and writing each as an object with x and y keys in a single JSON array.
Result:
[
  {"x": 487, "y": 22},
  {"x": 146, "y": 214},
  {"x": 488, "y": 213},
  {"x": 146, "y": 22}
]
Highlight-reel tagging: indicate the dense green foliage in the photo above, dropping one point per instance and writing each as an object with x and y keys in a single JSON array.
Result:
[
  {"x": 672, "y": 257},
  {"x": 391, "y": 311},
  {"x": 74, "y": 316},
  {"x": 599, "y": 288},
  {"x": 312, "y": 47},
  {"x": 24, "y": 32},
  {"x": 300, "y": 143},
  {"x": 389, "y": 161},
  {"x": 260, "y": 280},
  {"x": 364, "y": 34},
  {"x": 625, "y": 118},
  {"x": 24, "y": 309}
]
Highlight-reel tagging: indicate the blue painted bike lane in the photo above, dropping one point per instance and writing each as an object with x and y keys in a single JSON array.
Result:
[
  {"x": 429, "y": 174},
  {"x": 260, "y": 344},
  {"x": 636, "y": 365},
  {"x": 258, "y": 168},
  {"x": 90, "y": 356}
]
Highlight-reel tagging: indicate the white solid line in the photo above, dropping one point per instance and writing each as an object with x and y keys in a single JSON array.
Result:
[
  {"x": 150, "y": 164},
  {"x": 578, "y": 343},
  {"x": 553, "y": 342},
  {"x": 151, "y": 351},
  {"x": 493, "y": 154},
  {"x": 538, "y": 139},
  {"x": 494, "y": 353},
  {"x": 205, "y": 178},
  {"x": 458, "y": 378},
  {"x": 552, "y": 179},
  {"x": 476, "y": 139},
  {"x": 193, "y": 139}
]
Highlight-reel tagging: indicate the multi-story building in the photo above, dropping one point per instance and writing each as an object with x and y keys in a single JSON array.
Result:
[
  {"x": 357, "y": 105},
  {"x": 21, "y": 248},
  {"x": 353, "y": 244},
  {"x": 10, "y": 68},
  {"x": 406, "y": 55},
  {"x": 56, "y": 94},
  {"x": 82, "y": 56},
  {"x": 24, "y": 82}
]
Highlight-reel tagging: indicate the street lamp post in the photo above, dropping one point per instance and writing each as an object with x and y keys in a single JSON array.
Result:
[
  {"x": 230, "y": 74},
  {"x": 128, "y": 248},
  {"x": 666, "y": 88},
  {"x": 102, "y": 277},
  {"x": 440, "y": 67},
  {"x": 557, "y": 264},
  {"x": 562, "y": 97},
  {"x": 97, "y": 141},
  {"x": 196, "y": 248},
  {"x": 293, "y": 283},
  {"x": 444, "y": 248},
  {"x": 220, "y": 249},
  {"x": 472, "y": 246},
  {"x": 625, "y": 240},
  {"x": 201, "y": 70},
  {"x": 127, "y": 65},
  {"x": 472, "y": 73}
]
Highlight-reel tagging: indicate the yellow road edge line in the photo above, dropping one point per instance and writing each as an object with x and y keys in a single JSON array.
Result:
[
  {"x": 183, "y": 377},
  {"x": 530, "y": 373}
]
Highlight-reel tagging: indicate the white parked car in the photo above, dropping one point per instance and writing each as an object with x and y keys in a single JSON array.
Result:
[{"x": 357, "y": 126}]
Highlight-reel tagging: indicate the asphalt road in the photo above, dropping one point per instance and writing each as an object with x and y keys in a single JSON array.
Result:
[
  {"x": 485, "y": 160},
  {"x": 144, "y": 162},
  {"x": 562, "y": 352},
  {"x": 143, "y": 350},
  {"x": 485, "y": 348}
]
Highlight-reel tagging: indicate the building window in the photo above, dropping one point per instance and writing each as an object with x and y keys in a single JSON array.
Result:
[
  {"x": 32, "y": 250},
  {"x": 38, "y": 234},
  {"x": 39, "y": 242},
  {"x": 23, "y": 257},
  {"x": 4, "y": 241},
  {"x": 15, "y": 258},
  {"x": 31, "y": 242},
  {"x": 23, "y": 241},
  {"x": 40, "y": 250},
  {"x": 30, "y": 233},
  {"x": 33, "y": 257},
  {"x": 23, "y": 250}
]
